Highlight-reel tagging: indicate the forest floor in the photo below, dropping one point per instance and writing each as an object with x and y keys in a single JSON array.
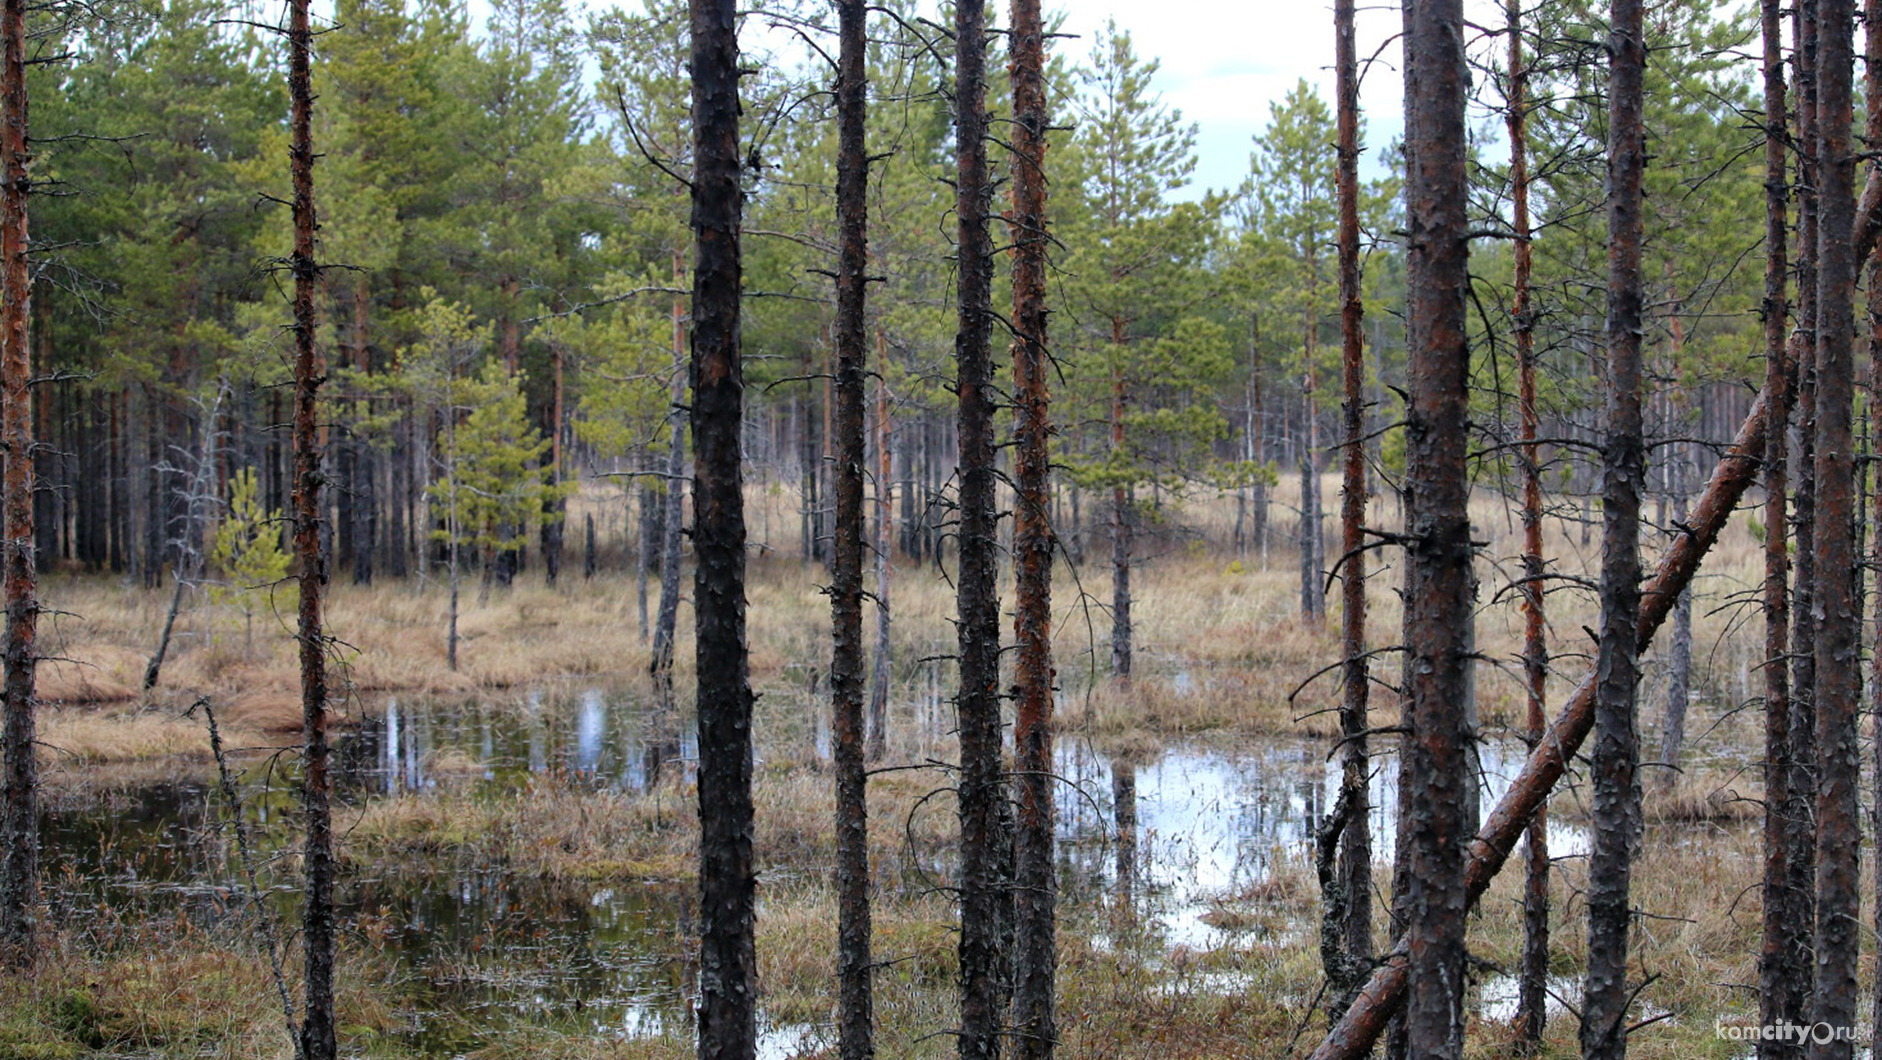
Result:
[{"x": 1221, "y": 654}]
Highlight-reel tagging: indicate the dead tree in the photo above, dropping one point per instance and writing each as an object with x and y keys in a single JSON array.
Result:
[
  {"x": 1437, "y": 533},
  {"x": 1838, "y": 633},
  {"x": 977, "y": 596},
  {"x": 19, "y": 862},
  {"x": 855, "y": 1021},
  {"x": 318, "y": 1040},
  {"x": 1354, "y": 871},
  {"x": 1532, "y": 989},
  {"x": 1035, "y": 893},
  {"x": 728, "y": 965},
  {"x": 1355, "y": 1033}
]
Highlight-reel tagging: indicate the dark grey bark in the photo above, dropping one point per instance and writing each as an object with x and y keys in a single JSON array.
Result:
[
  {"x": 1800, "y": 792},
  {"x": 1035, "y": 894},
  {"x": 982, "y": 886},
  {"x": 1838, "y": 627},
  {"x": 1616, "y": 757},
  {"x": 1354, "y": 872},
  {"x": 19, "y": 819},
  {"x": 1438, "y": 605},
  {"x": 1781, "y": 976},
  {"x": 855, "y": 1006},
  {"x": 728, "y": 988}
]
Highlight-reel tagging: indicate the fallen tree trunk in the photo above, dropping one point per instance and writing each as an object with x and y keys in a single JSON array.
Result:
[{"x": 1353, "y": 1037}]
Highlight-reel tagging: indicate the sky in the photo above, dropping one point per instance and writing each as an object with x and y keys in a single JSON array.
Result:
[{"x": 1223, "y": 63}]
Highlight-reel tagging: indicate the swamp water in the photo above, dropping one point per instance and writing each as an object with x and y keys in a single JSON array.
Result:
[{"x": 501, "y": 951}]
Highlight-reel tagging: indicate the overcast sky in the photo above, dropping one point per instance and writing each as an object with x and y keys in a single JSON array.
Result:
[{"x": 1224, "y": 63}]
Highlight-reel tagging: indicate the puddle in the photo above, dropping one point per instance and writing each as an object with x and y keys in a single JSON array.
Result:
[{"x": 1207, "y": 834}]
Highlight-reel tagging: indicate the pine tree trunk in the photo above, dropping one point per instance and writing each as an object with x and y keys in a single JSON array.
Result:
[
  {"x": 1616, "y": 758},
  {"x": 855, "y": 1007},
  {"x": 980, "y": 789},
  {"x": 665, "y": 746},
  {"x": 728, "y": 996},
  {"x": 1780, "y": 975},
  {"x": 1532, "y": 982},
  {"x": 1801, "y": 791},
  {"x": 885, "y": 539},
  {"x": 1355, "y": 839},
  {"x": 1035, "y": 894},
  {"x": 1679, "y": 669},
  {"x": 1838, "y": 633},
  {"x": 19, "y": 862},
  {"x": 317, "y": 1038}
]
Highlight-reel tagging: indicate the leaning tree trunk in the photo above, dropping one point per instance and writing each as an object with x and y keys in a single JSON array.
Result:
[
  {"x": 978, "y": 604},
  {"x": 1780, "y": 975},
  {"x": 728, "y": 965},
  {"x": 855, "y": 1019},
  {"x": 318, "y": 1040},
  {"x": 1355, "y": 839},
  {"x": 1616, "y": 766},
  {"x": 1532, "y": 983},
  {"x": 19, "y": 862},
  {"x": 1354, "y": 1035},
  {"x": 1838, "y": 633},
  {"x": 1035, "y": 1024},
  {"x": 1438, "y": 605}
]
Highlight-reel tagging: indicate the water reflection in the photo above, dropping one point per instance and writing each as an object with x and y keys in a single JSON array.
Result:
[{"x": 1165, "y": 842}]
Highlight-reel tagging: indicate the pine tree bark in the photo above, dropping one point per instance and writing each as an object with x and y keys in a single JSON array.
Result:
[
  {"x": 1837, "y": 634},
  {"x": 1532, "y": 989},
  {"x": 878, "y": 726},
  {"x": 1780, "y": 974},
  {"x": 1036, "y": 882},
  {"x": 317, "y": 1031},
  {"x": 728, "y": 988},
  {"x": 977, "y": 600},
  {"x": 19, "y": 862},
  {"x": 1438, "y": 606},
  {"x": 1123, "y": 524},
  {"x": 1355, "y": 839},
  {"x": 855, "y": 1019},
  {"x": 1384, "y": 994},
  {"x": 1617, "y": 816}
]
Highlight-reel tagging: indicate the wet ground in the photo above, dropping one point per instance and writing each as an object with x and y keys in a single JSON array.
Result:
[{"x": 1202, "y": 829}]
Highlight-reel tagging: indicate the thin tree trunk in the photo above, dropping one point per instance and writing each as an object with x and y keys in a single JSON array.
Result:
[
  {"x": 1532, "y": 989},
  {"x": 664, "y": 746},
  {"x": 19, "y": 862},
  {"x": 1355, "y": 840},
  {"x": 1122, "y": 524},
  {"x": 1679, "y": 665},
  {"x": 317, "y": 1040},
  {"x": 728, "y": 995},
  {"x": 1438, "y": 606},
  {"x": 855, "y": 1007},
  {"x": 1780, "y": 975},
  {"x": 1838, "y": 633},
  {"x": 878, "y": 745},
  {"x": 1356, "y": 1032},
  {"x": 1035, "y": 1022},
  {"x": 1799, "y": 809},
  {"x": 980, "y": 796}
]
